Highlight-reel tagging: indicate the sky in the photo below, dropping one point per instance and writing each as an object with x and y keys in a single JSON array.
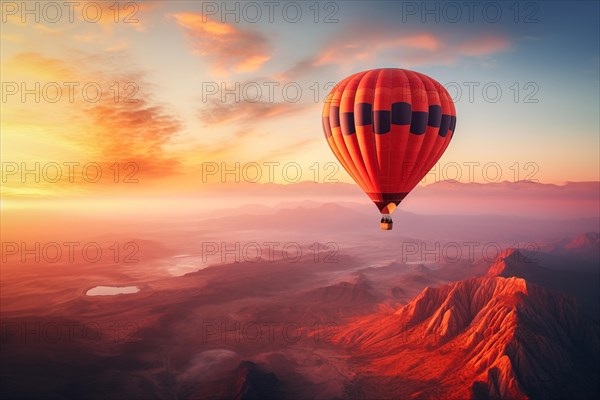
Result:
[{"x": 172, "y": 95}]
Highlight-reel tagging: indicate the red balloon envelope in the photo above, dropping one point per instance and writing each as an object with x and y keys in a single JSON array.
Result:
[{"x": 388, "y": 127}]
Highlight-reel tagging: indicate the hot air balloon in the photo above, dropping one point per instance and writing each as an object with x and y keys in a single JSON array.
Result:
[{"x": 388, "y": 127}]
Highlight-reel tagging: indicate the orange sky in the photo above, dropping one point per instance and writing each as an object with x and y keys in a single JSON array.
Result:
[{"x": 135, "y": 99}]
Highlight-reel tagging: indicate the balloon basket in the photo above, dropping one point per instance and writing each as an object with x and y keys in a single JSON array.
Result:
[{"x": 386, "y": 226}]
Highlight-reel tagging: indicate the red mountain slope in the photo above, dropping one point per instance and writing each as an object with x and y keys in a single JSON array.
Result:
[{"x": 489, "y": 337}]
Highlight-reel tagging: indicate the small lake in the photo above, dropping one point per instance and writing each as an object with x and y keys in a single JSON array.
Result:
[{"x": 111, "y": 290}]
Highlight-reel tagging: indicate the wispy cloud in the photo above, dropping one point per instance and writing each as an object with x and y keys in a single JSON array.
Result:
[
  {"x": 229, "y": 48},
  {"x": 483, "y": 46},
  {"x": 39, "y": 66},
  {"x": 364, "y": 45},
  {"x": 122, "y": 126},
  {"x": 370, "y": 45},
  {"x": 289, "y": 151},
  {"x": 216, "y": 112}
]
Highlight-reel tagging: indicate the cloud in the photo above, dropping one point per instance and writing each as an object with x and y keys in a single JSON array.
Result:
[
  {"x": 134, "y": 132},
  {"x": 11, "y": 38},
  {"x": 365, "y": 45},
  {"x": 118, "y": 126},
  {"x": 39, "y": 66},
  {"x": 217, "y": 112},
  {"x": 294, "y": 149},
  {"x": 484, "y": 46},
  {"x": 47, "y": 30},
  {"x": 240, "y": 123},
  {"x": 118, "y": 46},
  {"x": 229, "y": 48}
]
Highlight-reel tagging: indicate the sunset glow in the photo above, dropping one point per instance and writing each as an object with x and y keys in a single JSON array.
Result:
[{"x": 168, "y": 88}]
